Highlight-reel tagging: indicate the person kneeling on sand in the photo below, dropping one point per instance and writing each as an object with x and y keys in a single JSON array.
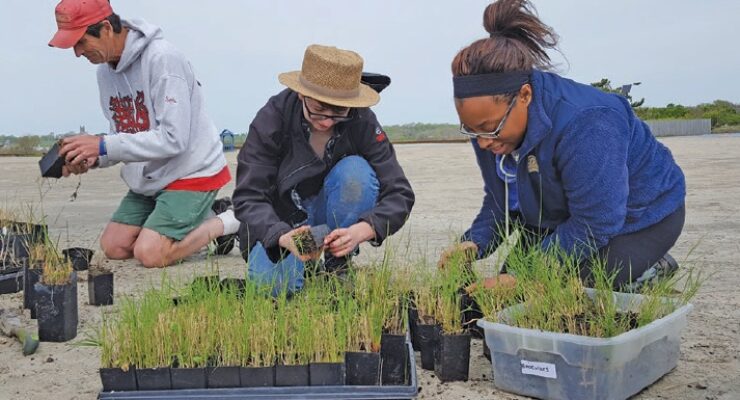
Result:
[
  {"x": 315, "y": 154},
  {"x": 571, "y": 164},
  {"x": 173, "y": 158}
]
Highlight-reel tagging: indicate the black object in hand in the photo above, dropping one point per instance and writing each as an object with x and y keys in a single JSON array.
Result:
[{"x": 51, "y": 163}]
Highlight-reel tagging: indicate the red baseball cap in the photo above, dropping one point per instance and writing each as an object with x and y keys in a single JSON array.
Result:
[{"x": 73, "y": 18}]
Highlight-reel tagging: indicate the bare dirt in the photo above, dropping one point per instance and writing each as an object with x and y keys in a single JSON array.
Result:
[{"x": 448, "y": 191}]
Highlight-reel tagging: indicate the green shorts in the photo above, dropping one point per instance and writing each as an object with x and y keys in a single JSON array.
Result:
[{"x": 172, "y": 213}]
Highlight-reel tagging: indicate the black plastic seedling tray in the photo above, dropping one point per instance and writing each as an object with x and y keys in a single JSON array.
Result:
[{"x": 400, "y": 392}]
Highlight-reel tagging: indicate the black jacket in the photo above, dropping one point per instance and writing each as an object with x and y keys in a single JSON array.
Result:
[{"x": 277, "y": 158}]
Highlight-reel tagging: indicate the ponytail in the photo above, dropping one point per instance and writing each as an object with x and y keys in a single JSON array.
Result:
[{"x": 517, "y": 42}]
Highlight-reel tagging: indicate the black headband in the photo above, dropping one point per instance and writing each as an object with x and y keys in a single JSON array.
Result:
[{"x": 489, "y": 84}]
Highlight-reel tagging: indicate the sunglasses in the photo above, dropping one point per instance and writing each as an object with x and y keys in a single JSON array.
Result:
[
  {"x": 323, "y": 117},
  {"x": 489, "y": 135}
]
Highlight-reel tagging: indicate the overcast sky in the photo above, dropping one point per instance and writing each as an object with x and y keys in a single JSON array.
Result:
[{"x": 682, "y": 51}]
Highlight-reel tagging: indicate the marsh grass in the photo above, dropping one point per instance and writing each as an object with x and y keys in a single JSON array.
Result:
[{"x": 554, "y": 298}]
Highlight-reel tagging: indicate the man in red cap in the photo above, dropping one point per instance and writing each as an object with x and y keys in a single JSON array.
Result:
[{"x": 173, "y": 161}]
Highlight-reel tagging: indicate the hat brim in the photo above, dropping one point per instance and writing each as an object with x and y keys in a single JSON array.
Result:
[
  {"x": 65, "y": 38},
  {"x": 367, "y": 97}
]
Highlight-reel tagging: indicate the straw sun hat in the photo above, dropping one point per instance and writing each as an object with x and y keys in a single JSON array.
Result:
[{"x": 332, "y": 76}]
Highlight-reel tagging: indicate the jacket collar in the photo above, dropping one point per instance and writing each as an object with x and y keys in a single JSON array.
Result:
[{"x": 539, "y": 124}]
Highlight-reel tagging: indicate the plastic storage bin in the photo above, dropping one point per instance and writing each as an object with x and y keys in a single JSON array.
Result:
[{"x": 562, "y": 366}]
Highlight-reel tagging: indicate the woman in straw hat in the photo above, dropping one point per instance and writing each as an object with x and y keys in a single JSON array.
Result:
[
  {"x": 571, "y": 163},
  {"x": 315, "y": 154}
]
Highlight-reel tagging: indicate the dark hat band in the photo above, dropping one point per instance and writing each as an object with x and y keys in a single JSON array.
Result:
[{"x": 489, "y": 84}]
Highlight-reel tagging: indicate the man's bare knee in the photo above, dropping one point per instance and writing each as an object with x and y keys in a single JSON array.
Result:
[
  {"x": 117, "y": 253},
  {"x": 114, "y": 251},
  {"x": 151, "y": 255}
]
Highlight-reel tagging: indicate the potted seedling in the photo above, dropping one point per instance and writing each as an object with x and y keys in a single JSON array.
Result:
[
  {"x": 100, "y": 286},
  {"x": 362, "y": 358},
  {"x": 291, "y": 336},
  {"x": 311, "y": 240},
  {"x": 427, "y": 327},
  {"x": 79, "y": 257},
  {"x": 189, "y": 330},
  {"x": 14, "y": 248},
  {"x": 575, "y": 334},
  {"x": 393, "y": 349},
  {"x": 225, "y": 312},
  {"x": 56, "y": 301},
  {"x": 33, "y": 271},
  {"x": 326, "y": 346},
  {"x": 155, "y": 348},
  {"x": 258, "y": 364},
  {"x": 327, "y": 363},
  {"x": 116, "y": 357},
  {"x": 453, "y": 356}
]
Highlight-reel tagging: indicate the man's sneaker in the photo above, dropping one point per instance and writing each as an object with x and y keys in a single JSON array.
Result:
[
  {"x": 225, "y": 243},
  {"x": 222, "y": 204},
  {"x": 665, "y": 268}
]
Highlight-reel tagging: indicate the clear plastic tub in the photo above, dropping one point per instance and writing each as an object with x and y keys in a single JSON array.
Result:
[{"x": 562, "y": 366}]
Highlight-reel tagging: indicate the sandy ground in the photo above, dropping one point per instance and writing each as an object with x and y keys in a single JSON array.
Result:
[{"x": 448, "y": 191}]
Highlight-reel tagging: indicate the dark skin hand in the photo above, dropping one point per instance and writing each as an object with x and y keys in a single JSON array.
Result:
[{"x": 80, "y": 149}]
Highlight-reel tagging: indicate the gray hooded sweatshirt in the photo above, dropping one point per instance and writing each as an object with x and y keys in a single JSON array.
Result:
[{"x": 159, "y": 127}]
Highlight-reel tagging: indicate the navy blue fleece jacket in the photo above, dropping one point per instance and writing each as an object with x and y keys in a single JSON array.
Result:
[{"x": 588, "y": 170}]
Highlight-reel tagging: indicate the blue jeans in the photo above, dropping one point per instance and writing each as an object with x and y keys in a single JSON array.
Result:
[{"x": 350, "y": 189}]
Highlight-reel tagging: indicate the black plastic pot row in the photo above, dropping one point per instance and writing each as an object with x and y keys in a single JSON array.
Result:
[
  {"x": 447, "y": 355},
  {"x": 359, "y": 368}
]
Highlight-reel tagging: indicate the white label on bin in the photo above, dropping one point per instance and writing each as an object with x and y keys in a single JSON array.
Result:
[{"x": 545, "y": 370}]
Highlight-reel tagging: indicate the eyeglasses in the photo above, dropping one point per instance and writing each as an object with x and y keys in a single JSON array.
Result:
[
  {"x": 489, "y": 135},
  {"x": 322, "y": 117}
]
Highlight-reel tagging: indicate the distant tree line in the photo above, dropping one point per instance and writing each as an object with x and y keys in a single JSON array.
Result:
[{"x": 725, "y": 117}]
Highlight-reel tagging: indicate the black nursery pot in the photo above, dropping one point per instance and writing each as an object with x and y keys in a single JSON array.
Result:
[
  {"x": 51, "y": 163},
  {"x": 56, "y": 309},
  {"x": 393, "y": 358},
  {"x": 100, "y": 288},
  {"x": 234, "y": 284},
  {"x": 153, "y": 378},
  {"x": 116, "y": 379},
  {"x": 326, "y": 374},
  {"x": 428, "y": 344},
  {"x": 11, "y": 278},
  {"x": 223, "y": 377},
  {"x": 31, "y": 276},
  {"x": 257, "y": 376},
  {"x": 471, "y": 312},
  {"x": 210, "y": 281},
  {"x": 362, "y": 368},
  {"x": 37, "y": 233},
  {"x": 188, "y": 378},
  {"x": 291, "y": 375},
  {"x": 79, "y": 256},
  {"x": 14, "y": 247},
  {"x": 413, "y": 324},
  {"x": 453, "y": 359}
]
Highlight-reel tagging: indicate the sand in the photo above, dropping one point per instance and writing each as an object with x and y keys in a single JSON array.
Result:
[{"x": 448, "y": 190}]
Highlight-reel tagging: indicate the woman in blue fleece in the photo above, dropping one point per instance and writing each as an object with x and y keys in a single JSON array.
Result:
[{"x": 572, "y": 164}]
